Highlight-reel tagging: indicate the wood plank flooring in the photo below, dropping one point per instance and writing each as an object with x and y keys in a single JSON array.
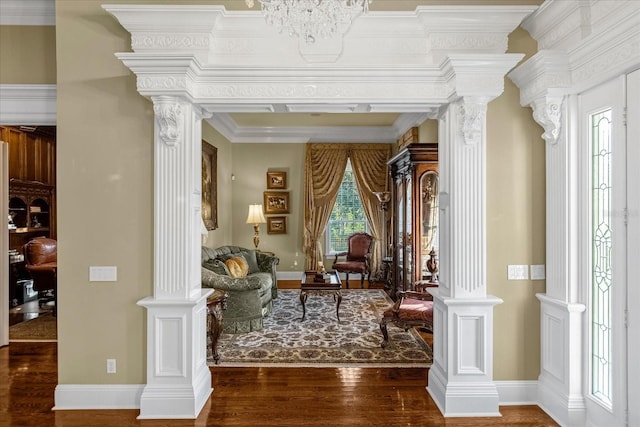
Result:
[{"x": 251, "y": 396}]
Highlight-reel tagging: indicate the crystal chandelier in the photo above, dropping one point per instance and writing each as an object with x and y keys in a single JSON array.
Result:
[{"x": 310, "y": 19}]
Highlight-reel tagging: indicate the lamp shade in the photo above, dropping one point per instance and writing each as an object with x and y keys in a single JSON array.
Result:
[{"x": 255, "y": 215}]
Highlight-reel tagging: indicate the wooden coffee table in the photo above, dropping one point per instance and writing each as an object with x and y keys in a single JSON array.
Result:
[{"x": 308, "y": 285}]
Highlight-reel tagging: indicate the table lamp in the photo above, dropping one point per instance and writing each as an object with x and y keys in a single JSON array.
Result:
[{"x": 256, "y": 217}]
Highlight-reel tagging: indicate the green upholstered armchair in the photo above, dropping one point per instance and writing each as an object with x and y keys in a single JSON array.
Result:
[{"x": 251, "y": 297}]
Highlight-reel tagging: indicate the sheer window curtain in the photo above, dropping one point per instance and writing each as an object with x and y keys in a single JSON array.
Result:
[{"x": 325, "y": 166}]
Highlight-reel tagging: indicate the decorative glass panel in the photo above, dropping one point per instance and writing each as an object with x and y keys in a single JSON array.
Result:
[
  {"x": 601, "y": 284},
  {"x": 430, "y": 218}
]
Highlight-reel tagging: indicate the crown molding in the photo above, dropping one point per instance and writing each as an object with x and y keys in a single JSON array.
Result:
[
  {"x": 28, "y": 104},
  {"x": 32, "y": 12},
  {"x": 228, "y": 127}
]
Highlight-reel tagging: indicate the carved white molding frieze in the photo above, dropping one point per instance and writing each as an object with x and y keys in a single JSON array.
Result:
[
  {"x": 146, "y": 83},
  {"x": 611, "y": 59},
  {"x": 468, "y": 42},
  {"x": 547, "y": 112},
  {"x": 181, "y": 41},
  {"x": 471, "y": 120},
  {"x": 345, "y": 91},
  {"x": 169, "y": 118}
]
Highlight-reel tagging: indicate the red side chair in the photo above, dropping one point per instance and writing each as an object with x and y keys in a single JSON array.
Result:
[
  {"x": 357, "y": 257},
  {"x": 41, "y": 261},
  {"x": 411, "y": 309}
]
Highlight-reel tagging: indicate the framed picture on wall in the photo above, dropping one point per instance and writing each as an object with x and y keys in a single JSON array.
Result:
[
  {"x": 277, "y": 225},
  {"x": 276, "y": 202},
  {"x": 209, "y": 186},
  {"x": 276, "y": 180}
]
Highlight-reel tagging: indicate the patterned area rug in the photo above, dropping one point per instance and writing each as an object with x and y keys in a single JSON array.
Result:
[
  {"x": 321, "y": 341},
  {"x": 42, "y": 328}
]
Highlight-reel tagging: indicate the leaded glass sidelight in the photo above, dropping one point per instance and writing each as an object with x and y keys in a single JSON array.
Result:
[{"x": 601, "y": 243}]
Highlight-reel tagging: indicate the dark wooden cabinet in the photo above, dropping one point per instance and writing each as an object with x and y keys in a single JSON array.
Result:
[
  {"x": 32, "y": 182},
  {"x": 30, "y": 207},
  {"x": 414, "y": 213}
]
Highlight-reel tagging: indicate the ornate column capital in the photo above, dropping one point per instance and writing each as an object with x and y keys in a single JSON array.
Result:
[
  {"x": 472, "y": 119},
  {"x": 168, "y": 112},
  {"x": 547, "y": 112}
]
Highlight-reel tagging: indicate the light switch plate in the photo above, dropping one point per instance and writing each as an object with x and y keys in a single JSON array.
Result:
[
  {"x": 537, "y": 272},
  {"x": 518, "y": 272},
  {"x": 103, "y": 273}
]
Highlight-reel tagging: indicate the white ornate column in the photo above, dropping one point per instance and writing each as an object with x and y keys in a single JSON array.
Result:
[
  {"x": 543, "y": 80},
  {"x": 178, "y": 378},
  {"x": 461, "y": 378}
]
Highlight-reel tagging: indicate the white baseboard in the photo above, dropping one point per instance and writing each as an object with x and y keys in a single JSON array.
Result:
[
  {"x": 98, "y": 396},
  {"x": 289, "y": 275},
  {"x": 517, "y": 392}
]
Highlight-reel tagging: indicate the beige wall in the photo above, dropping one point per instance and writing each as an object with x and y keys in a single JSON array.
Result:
[
  {"x": 250, "y": 165},
  {"x": 28, "y": 54},
  {"x": 515, "y": 225},
  {"x": 105, "y": 199},
  {"x": 105, "y": 187}
]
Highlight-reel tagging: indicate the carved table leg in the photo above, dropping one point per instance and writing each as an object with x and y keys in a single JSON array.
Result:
[
  {"x": 303, "y": 300},
  {"x": 216, "y": 303}
]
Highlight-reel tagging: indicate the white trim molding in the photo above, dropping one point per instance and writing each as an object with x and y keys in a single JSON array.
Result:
[
  {"x": 28, "y": 12},
  {"x": 97, "y": 396},
  {"x": 517, "y": 392},
  {"x": 228, "y": 127},
  {"x": 28, "y": 104}
]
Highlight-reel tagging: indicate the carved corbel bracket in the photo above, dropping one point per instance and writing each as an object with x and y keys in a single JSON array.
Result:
[
  {"x": 472, "y": 119},
  {"x": 547, "y": 112},
  {"x": 169, "y": 117}
]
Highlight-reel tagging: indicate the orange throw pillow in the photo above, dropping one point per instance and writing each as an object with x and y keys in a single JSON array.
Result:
[{"x": 237, "y": 266}]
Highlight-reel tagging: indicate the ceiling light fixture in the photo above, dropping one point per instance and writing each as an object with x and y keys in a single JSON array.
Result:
[{"x": 310, "y": 19}]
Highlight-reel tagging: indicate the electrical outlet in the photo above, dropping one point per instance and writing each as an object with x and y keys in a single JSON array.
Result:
[
  {"x": 111, "y": 366},
  {"x": 518, "y": 272}
]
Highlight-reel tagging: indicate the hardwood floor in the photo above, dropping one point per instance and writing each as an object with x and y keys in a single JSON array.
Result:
[{"x": 251, "y": 396}]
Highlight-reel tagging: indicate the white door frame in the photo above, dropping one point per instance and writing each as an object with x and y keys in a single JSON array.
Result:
[
  {"x": 20, "y": 105},
  {"x": 4, "y": 243},
  {"x": 633, "y": 245},
  {"x": 609, "y": 95}
]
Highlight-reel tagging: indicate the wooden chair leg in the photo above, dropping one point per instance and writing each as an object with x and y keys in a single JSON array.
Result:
[
  {"x": 385, "y": 333},
  {"x": 361, "y": 280},
  {"x": 347, "y": 279}
]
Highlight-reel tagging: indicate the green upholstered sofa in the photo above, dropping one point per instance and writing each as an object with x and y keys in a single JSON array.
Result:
[{"x": 251, "y": 297}]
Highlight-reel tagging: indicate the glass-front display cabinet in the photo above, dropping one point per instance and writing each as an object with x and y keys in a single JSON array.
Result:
[{"x": 414, "y": 215}]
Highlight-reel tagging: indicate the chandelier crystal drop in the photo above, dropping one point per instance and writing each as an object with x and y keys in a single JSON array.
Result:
[{"x": 312, "y": 19}]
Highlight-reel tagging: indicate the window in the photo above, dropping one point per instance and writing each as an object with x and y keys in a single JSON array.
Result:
[
  {"x": 347, "y": 216},
  {"x": 601, "y": 241}
]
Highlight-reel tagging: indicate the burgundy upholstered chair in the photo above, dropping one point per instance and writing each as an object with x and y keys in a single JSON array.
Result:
[
  {"x": 357, "y": 257},
  {"x": 41, "y": 261},
  {"x": 411, "y": 309}
]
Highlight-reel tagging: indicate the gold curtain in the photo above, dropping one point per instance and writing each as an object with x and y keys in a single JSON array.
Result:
[
  {"x": 324, "y": 167},
  {"x": 369, "y": 163}
]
